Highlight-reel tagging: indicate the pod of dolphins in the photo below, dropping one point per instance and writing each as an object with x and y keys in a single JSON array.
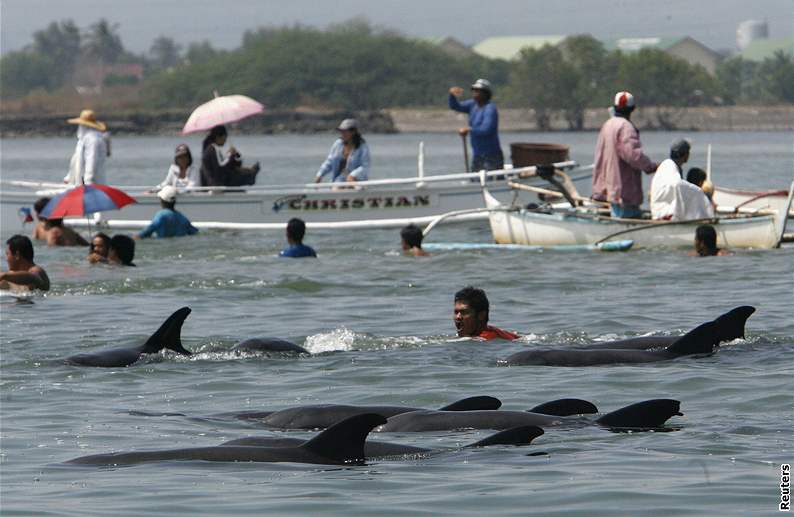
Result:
[{"x": 345, "y": 428}]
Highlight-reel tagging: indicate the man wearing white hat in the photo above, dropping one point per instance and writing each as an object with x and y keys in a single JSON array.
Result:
[
  {"x": 168, "y": 222},
  {"x": 88, "y": 161},
  {"x": 483, "y": 125},
  {"x": 619, "y": 160}
]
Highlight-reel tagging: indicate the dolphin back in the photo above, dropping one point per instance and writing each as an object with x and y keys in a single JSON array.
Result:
[
  {"x": 642, "y": 415},
  {"x": 474, "y": 404},
  {"x": 269, "y": 344},
  {"x": 169, "y": 335},
  {"x": 565, "y": 407},
  {"x": 522, "y": 435}
]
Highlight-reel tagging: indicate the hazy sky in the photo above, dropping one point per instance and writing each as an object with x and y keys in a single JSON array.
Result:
[{"x": 713, "y": 22}]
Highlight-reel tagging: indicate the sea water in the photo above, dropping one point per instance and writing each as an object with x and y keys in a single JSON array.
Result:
[{"x": 379, "y": 326}]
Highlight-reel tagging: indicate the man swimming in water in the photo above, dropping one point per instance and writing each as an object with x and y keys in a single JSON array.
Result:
[
  {"x": 471, "y": 316},
  {"x": 23, "y": 273}
]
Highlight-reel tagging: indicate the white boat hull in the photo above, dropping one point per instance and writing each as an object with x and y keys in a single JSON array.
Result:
[
  {"x": 771, "y": 200},
  {"x": 568, "y": 228}
]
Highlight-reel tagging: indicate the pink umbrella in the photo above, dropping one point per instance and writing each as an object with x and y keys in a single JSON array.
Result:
[{"x": 221, "y": 110}]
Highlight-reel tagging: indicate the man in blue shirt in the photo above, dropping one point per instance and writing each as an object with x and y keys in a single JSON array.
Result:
[
  {"x": 168, "y": 222},
  {"x": 483, "y": 125},
  {"x": 296, "y": 229}
]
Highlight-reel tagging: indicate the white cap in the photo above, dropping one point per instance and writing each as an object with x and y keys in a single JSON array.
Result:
[
  {"x": 167, "y": 194},
  {"x": 348, "y": 124},
  {"x": 482, "y": 84},
  {"x": 624, "y": 100}
]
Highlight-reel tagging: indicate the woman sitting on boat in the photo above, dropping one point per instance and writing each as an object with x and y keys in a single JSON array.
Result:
[
  {"x": 219, "y": 170},
  {"x": 182, "y": 174},
  {"x": 348, "y": 159}
]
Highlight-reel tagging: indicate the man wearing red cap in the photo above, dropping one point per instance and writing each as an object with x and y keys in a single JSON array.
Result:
[{"x": 619, "y": 159}]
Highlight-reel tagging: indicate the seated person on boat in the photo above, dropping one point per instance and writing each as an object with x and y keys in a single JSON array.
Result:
[
  {"x": 183, "y": 173},
  {"x": 672, "y": 197},
  {"x": 23, "y": 274},
  {"x": 471, "y": 316},
  {"x": 348, "y": 159},
  {"x": 168, "y": 222},
  {"x": 52, "y": 230},
  {"x": 223, "y": 170},
  {"x": 296, "y": 229}
]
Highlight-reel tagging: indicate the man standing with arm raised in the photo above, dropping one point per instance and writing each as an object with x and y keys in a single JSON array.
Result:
[{"x": 483, "y": 125}]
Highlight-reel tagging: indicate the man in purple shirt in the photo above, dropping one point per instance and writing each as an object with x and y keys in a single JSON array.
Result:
[{"x": 619, "y": 160}]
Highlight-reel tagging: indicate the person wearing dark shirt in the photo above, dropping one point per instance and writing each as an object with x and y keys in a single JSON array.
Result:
[
  {"x": 296, "y": 229},
  {"x": 471, "y": 316},
  {"x": 168, "y": 222},
  {"x": 219, "y": 170}
]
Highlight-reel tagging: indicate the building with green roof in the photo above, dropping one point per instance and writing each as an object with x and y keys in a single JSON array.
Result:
[
  {"x": 686, "y": 48},
  {"x": 509, "y": 47}
]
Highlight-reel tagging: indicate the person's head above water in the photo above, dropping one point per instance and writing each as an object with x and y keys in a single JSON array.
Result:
[
  {"x": 470, "y": 311},
  {"x": 296, "y": 229},
  {"x": 411, "y": 236},
  {"x": 122, "y": 250},
  {"x": 19, "y": 252},
  {"x": 100, "y": 244},
  {"x": 706, "y": 240}
]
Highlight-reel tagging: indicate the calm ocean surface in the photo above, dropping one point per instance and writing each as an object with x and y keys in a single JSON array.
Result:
[{"x": 380, "y": 327}]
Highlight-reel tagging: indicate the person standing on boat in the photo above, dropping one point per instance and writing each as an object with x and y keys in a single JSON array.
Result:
[
  {"x": 619, "y": 161},
  {"x": 183, "y": 173},
  {"x": 483, "y": 125},
  {"x": 223, "y": 170},
  {"x": 168, "y": 222},
  {"x": 348, "y": 159},
  {"x": 88, "y": 161},
  {"x": 672, "y": 197},
  {"x": 470, "y": 315}
]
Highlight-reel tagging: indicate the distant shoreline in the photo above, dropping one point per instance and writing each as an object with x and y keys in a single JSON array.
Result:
[{"x": 430, "y": 120}]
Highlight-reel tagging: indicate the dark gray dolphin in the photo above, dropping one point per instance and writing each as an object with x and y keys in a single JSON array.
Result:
[
  {"x": 340, "y": 444},
  {"x": 731, "y": 326},
  {"x": 325, "y": 415},
  {"x": 167, "y": 336},
  {"x": 374, "y": 449},
  {"x": 701, "y": 340},
  {"x": 642, "y": 415},
  {"x": 268, "y": 344}
]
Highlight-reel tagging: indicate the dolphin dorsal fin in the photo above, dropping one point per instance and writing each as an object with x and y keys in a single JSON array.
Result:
[
  {"x": 565, "y": 407},
  {"x": 169, "y": 335},
  {"x": 700, "y": 340},
  {"x": 480, "y": 403},
  {"x": 344, "y": 441},
  {"x": 731, "y": 324},
  {"x": 642, "y": 415},
  {"x": 522, "y": 435}
]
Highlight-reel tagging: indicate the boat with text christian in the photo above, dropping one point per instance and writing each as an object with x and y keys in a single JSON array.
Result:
[{"x": 367, "y": 204}]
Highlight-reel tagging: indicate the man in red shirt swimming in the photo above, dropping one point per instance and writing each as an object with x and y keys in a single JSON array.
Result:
[{"x": 471, "y": 316}]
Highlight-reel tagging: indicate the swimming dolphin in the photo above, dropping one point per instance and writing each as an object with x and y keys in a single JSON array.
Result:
[
  {"x": 324, "y": 415},
  {"x": 340, "y": 444},
  {"x": 701, "y": 340},
  {"x": 522, "y": 435},
  {"x": 167, "y": 336},
  {"x": 268, "y": 344},
  {"x": 642, "y": 415}
]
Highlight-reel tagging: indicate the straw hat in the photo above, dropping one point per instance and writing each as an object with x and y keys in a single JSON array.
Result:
[{"x": 87, "y": 118}]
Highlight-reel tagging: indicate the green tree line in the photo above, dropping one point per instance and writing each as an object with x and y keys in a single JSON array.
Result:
[{"x": 355, "y": 66}]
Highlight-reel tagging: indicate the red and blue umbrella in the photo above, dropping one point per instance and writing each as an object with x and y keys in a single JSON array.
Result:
[{"x": 86, "y": 199}]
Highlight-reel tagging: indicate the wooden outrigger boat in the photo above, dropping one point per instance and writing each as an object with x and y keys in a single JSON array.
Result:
[
  {"x": 738, "y": 200},
  {"x": 554, "y": 227},
  {"x": 368, "y": 204}
]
